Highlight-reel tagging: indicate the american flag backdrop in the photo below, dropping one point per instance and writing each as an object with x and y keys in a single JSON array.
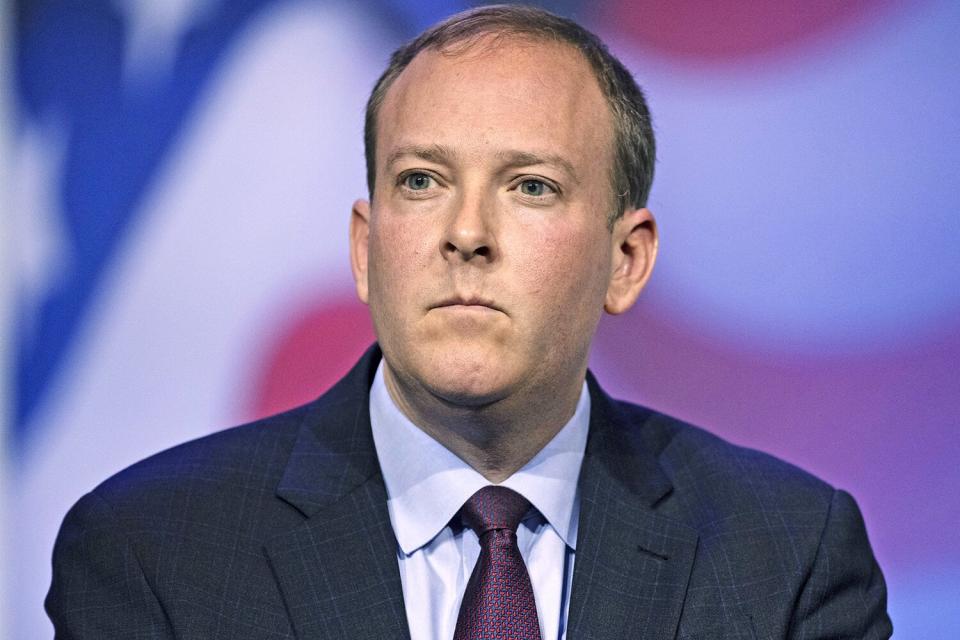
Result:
[{"x": 177, "y": 177}]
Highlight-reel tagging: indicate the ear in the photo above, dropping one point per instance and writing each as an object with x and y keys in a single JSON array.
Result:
[
  {"x": 635, "y": 242},
  {"x": 359, "y": 246}
]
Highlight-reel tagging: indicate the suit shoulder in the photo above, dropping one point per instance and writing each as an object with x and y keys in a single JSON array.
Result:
[
  {"x": 696, "y": 459},
  {"x": 179, "y": 534},
  {"x": 774, "y": 544},
  {"x": 228, "y": 458}
]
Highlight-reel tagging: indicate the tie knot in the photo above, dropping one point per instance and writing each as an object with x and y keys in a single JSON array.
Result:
[{"x": 494, "y": 508}]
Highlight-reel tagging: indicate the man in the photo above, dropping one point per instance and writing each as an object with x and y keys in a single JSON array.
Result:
[{"x": 509, "y": 161}]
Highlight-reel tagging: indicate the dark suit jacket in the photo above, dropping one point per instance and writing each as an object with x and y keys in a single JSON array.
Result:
[{"x": 279, "y": 529}]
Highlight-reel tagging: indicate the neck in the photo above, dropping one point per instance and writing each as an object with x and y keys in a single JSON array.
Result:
[{"x": 497, "y": 438}]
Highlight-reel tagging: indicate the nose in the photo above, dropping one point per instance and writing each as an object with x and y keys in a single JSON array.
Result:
[{"x": 470, "y": 235}]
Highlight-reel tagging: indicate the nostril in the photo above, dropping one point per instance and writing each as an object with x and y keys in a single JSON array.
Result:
[{"x": 467, "y": 252}]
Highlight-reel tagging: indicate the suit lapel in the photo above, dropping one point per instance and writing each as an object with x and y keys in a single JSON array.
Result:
[
  {"x": 338, "y": 570},
  {"x": 632, "y": 565}
]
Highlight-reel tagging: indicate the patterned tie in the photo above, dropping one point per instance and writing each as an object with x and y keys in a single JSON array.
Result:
[{"x": 498, "y": 603}]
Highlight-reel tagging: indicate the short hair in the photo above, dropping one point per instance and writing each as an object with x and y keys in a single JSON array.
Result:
[{"x": 633, "y": 141}]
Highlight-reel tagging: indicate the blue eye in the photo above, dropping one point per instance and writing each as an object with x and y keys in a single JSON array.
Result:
[
  {"x": 535, "y": 188},
  {"x": 417, "y": 181}
]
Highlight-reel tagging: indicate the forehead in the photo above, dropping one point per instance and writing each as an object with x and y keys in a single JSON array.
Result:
[{"x": 496, "y": 93}]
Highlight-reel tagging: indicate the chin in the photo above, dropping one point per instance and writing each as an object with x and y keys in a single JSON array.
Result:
[
  {"x": 469, "y": 377},
  {"x": 465, "y": 395}
]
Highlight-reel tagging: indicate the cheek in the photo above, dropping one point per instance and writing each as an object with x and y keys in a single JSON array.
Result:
[
  {"x": 567, "y": 266},
  {"x": 397, "y": 252}
]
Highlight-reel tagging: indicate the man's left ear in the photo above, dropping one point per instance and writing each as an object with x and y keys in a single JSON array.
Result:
[{"x": 635, "y": 242}]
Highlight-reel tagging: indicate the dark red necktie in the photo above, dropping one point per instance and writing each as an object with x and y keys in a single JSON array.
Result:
[{"x": 498, "y": 603}]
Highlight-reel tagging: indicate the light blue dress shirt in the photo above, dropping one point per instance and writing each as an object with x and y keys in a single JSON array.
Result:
[{"x": 426, "y": 486}]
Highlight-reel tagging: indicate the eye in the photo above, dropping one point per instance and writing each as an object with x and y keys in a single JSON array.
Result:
[
  {"x": 417, "y": 181},
  {"x": 535, "y": 188}
]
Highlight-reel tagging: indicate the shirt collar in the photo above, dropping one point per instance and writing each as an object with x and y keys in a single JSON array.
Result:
[{"x": 427, "y": 483}]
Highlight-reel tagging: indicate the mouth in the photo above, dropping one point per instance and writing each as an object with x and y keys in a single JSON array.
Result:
[{"x": 468, "y": 303}]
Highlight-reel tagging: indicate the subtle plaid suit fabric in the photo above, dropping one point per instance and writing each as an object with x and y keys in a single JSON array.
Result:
[{"x": 280, "y": 530}]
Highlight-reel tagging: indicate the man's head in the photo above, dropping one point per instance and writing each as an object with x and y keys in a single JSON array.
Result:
[
  {"x": 634, "y": 147},
  {"x": 487, "y": 252}
]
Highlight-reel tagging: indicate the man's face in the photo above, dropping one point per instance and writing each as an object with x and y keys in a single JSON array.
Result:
[{"x": 485, "y": 255}]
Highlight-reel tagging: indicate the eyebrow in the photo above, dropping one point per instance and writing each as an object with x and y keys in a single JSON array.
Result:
[
  {"x": 512, "y": 158},
  {"x": 526, "y": 159},
  {"x": 438, "y": 154}
]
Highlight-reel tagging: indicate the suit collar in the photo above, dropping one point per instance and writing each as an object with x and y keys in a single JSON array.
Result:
[
  {"x": 632, "y": 565},
  {"x": 334, "y": 451},
  {"x": 337, "y": 571},
  {"x": 623, "y": 448}
]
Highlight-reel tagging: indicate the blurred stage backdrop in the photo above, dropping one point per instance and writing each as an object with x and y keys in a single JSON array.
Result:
[{"x": 182, "y": 171}]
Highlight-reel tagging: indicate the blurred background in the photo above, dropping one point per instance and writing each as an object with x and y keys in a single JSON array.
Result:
[{"x": 177, "y": 176}]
